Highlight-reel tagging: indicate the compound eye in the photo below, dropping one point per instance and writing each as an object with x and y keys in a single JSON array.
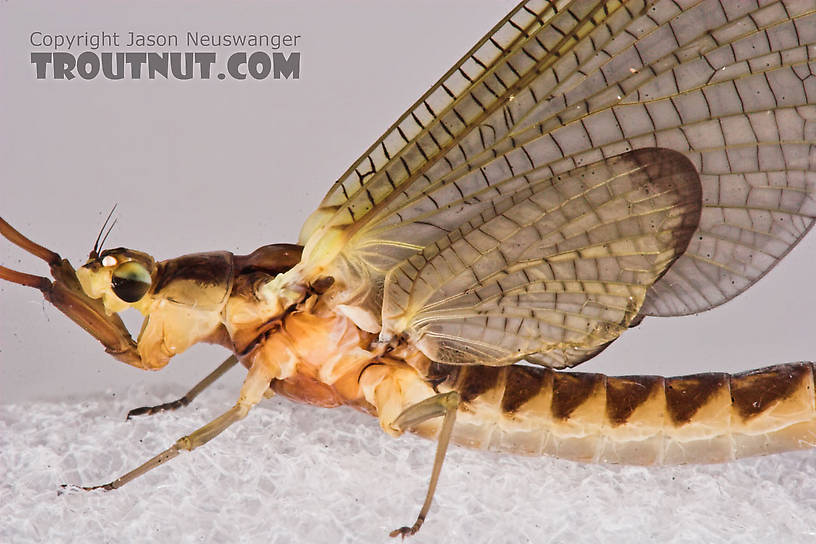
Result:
[{"x": 130, "y": 281}]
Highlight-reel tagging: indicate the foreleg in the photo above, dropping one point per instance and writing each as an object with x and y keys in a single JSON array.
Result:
[{"x": 191, "y": 394}]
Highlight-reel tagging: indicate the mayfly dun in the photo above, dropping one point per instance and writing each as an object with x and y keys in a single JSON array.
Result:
[{"x": 585, "y": 166}]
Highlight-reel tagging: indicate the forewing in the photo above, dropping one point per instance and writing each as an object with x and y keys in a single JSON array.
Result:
[
  {"x": 557, "y": 85},
  {"x": 410, "y": 187},
  {"x": 556, "y": 270}
]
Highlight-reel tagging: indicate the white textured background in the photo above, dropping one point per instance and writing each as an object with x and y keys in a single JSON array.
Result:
[
  {"x": 298, "y": 474},
  {"x": 204, "y": 165}
]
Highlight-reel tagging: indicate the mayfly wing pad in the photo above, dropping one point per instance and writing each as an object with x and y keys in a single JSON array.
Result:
[
  {"x": 557, "y": 86},
  {"x": 561, "y": 266}
]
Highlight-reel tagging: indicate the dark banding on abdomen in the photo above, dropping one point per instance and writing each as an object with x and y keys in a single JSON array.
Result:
[
  {"x": 626, "y": 393},
  {"x": 633, "y": 419},
  {"x": 523, "y": 383},
  {"x": 754, "y": 391},
  {"x": 685, "y": 395},
  {"x": 572, "y": 389}
]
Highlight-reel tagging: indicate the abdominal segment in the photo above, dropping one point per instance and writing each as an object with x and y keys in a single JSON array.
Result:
[
  {"x": 638, "y": 420},
  {"x": 533, "y": 410}
]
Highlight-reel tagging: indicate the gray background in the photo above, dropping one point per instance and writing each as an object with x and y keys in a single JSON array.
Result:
[{"x": 201, "y": 165}]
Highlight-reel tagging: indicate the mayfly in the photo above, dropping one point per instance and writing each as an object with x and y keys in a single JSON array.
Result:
[{"x": 584, "y": 166}]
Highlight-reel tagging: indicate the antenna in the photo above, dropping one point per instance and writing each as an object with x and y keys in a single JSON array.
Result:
[{"x": 96, "y": 247}]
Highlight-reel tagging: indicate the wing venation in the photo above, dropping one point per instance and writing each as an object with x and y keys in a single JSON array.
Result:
[
  {"x": 556, "y": 270},
  {"x": 556, "y": 86}
]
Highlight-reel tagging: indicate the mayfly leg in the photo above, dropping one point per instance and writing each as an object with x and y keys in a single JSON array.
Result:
[
  {"x": 188, "y": 397},
  {"x": 193, "y": 440},
  {"x": 66, "y": 294},
  {"x": 255, "y": 387},
  {"x": 444, "y": 404}
]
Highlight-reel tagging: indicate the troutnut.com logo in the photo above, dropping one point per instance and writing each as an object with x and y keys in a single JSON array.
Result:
[{"x": 157, "y": 56}]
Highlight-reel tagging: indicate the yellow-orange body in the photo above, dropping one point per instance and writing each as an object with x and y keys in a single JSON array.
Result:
[{"x": 327, "y": 361}]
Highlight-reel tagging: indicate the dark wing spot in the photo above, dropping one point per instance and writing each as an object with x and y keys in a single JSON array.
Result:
[{"x": 667, "y": 170}]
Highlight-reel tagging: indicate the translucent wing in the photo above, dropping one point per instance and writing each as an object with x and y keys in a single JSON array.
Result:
[
  {"x": 559, "y": 268},
  {"x": 408, "y": 189},
  {"x": 557, "y": 85}
]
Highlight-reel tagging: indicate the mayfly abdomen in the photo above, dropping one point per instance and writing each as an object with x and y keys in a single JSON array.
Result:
[{"x": 636, "y": 420}]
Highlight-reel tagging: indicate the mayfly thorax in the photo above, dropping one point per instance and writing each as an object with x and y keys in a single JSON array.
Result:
[{"x": 587, "y": 165}]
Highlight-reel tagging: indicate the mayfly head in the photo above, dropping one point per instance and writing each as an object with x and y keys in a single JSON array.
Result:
[
  {"x": 184, "y": 299},
  {"x": 191, "y": 290},
  {"x": 68, "y": 294},
  {"x": 119, "y": 277}
]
